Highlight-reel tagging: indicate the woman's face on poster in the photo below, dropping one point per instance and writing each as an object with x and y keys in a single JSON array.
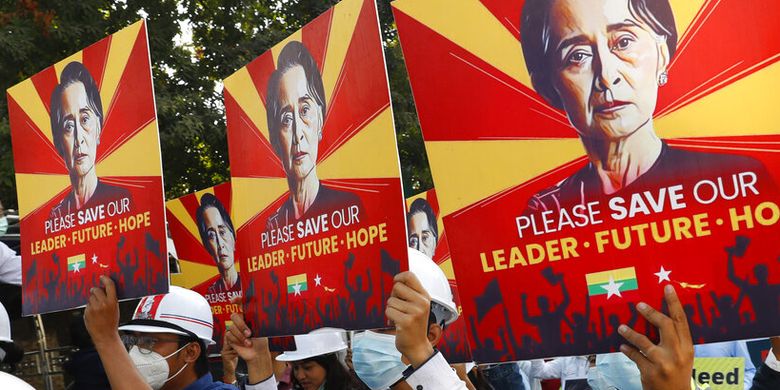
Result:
[
  {"x": 300, "y": 124},
  {"x": 80, "y": 131},
  {"x": 606, "y": 64}
]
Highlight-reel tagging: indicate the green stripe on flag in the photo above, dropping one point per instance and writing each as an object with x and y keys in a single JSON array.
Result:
[
  {"x": 628, "y": 285},
  {"x": 291, "y": 287}
]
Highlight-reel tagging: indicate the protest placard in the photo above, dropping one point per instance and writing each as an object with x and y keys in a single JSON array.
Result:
[
  {"x": 202, "y": 229},
  {"x": 317, "y": 197},
  {"x": 89, "y": 176},
  {"x": 586, "y": 154}
]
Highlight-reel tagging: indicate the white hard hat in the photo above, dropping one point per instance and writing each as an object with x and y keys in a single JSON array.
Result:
[
  {"x": 11, "y": 382},
  {"x": 434, "y": 281},
  {"x": 317, "y": 343},
  {"x": 5, "y": 325},
  {"x": 180, "y": 311}
]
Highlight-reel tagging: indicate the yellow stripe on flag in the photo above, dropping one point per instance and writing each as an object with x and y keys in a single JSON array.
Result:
[
  {"x": 616, "y": 274},
  {"x": 77, "y": 259},
  {"x": 296, "y": 279}
]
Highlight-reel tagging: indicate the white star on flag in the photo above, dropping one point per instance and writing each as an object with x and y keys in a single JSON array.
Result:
[
  {"x": 612, "y": 288},
  {"x": 297, "y": 288},
  {"x": 317, "y": 280},
  {"x": 75, "y": 267},
  {"x": 94, "y": 258},
  {"x": 663, "y": 275}
]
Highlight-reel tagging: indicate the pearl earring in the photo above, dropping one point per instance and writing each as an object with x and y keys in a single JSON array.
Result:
[{"x": 663, "y": 78}]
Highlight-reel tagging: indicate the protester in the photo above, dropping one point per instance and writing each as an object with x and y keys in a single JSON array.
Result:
[
  {"x": 318, "y": 362},
  {"x": 84, "y": 365},
  {"x": 768, "y": 375},
  {"x": 166, "y": 340},
  {"x": 504, "y": 376},
  {"x": 736, "y": 349},
  {"x": 10, "y": 266},
  {"x": 614, "y": 371},
  {"x": 560, "y": 368}
]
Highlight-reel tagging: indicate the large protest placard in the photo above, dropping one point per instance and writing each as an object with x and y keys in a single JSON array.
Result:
[
  {"x": 202, "y": 229},
  {"x": 425, "y": 232},
  {"x": 317, "y": 196},
  {"x": 587, "y": 153},
  {"x": 89, "y": 176}
]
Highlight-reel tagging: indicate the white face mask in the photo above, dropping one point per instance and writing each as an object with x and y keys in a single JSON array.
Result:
[
  {"x": 376, "y": 360},
  {"x": 153, "y": 366},
  {"x": 3, "y": 225}
]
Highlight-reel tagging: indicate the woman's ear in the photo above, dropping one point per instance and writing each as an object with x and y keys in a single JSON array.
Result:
[{"x": 663, "y": 56}]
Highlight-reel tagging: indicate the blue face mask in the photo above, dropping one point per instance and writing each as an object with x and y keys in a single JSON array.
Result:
[
  {"x": 376, "y": 360},
  {"x": 614, "y": 371},
  {"x": 3, "y": 225}
]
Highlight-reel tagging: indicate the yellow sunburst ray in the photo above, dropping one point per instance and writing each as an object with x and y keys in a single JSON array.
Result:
[
  {"x": 471, "y": 26},
  {"x": 446, "y": 266},
  {"x": 252, "y": 195},
  {"x": 371, "y": 153},
  {"x": 345, "y": 16},
  {"x": 740, "y": 108},
  {"x": 179, "y": 211},
  {"x": 35, "y": 190},
  {"x": 470, "y": 166},
  {"x": 684, "y": 13},
  {"x": 193, "y": 274},
  {"x": 122, "y": 44},
  {"x": 116, "y": 164},
  {"x": 30, "y": 102},
  {"x": 242, "y": 89}
]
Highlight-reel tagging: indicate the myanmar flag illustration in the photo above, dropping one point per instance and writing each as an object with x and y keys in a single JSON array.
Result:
[
  {"x": 296, "y": 284},
  {"x": 77, "y": 262},
  {"x": 611, "y": 284}
]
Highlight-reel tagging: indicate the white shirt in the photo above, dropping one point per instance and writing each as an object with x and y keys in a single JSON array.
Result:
[
  {"x": 571, "y": 367},
  {"x": 10, "y": 266}
]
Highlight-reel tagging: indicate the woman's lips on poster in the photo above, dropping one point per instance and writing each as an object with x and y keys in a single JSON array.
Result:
[
  {"x": 297, "y": 156},
  {"x": 610, "y": 107}
]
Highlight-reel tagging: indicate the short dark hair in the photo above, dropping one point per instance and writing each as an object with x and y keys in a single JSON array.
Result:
[
  {"x": 535, "y": 37},
  {"x": 337, "y": 376},
  {"x": 74, "y": 72},
  {"x": 421, "y": 205},
  {"x": 293, "y": 54},
  {"x": 206, "y": 201}
]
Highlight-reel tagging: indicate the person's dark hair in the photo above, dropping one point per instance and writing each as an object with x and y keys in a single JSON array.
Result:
[
  {"x": 537, "y": 50},
  {"x": 13, "y": 353},
  {"x": 421, "y": 205},
  {"x": 202, "y": 363},
  {"x": 337, "y": 375},
  {"x": 74, "y": 72},
  {"x": 206, "y": 201},
  {"x": 293, "y": 54}
]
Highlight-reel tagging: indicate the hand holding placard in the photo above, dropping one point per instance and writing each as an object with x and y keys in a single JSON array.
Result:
[
  {"x": 668, "y": 364},
  {"x": 408, "y": 308}
]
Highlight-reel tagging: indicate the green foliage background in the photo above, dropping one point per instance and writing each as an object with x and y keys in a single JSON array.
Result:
[{"x": 226, "y": 35}]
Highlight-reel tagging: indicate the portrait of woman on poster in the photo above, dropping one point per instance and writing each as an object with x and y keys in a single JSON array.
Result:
[
  {"x": 296, "y": 117},
  {"x": 603, "y": 62},
  {"x": 76, "y": 126}
]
